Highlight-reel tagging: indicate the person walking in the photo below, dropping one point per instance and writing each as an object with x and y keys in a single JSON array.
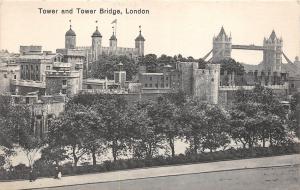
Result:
[
  {"x": 59, "y": 175},
  {"x": 31, "y": 175},
  {"x": 56, "y": 173}
]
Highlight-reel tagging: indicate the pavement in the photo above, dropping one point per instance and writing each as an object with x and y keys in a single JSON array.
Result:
[{"x": 157, "y": 172}]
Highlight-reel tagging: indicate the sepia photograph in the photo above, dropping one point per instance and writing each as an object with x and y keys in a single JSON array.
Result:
[{"x": 150, "y": 95}]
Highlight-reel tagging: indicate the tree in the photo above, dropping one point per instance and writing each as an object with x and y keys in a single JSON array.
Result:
[
  {"x": 107, "y": 65},
  {"x": 17, "y": 129},
  {"x": 231, "y": 66},
  {"x": 6, "y": 131},
  {"x": 150, "y": 61},
  {"x": 144, "y": 130},
  {"x": 193, "y": 120},
  {"x": 53, "y": 154},
  {"x": 257, "y": 116},
  {"x": 165, "y": 117},
  {"x": 216, "y": 130},
  {"x": 112, "y": 109},
  {"x": 73, "y": 130},
  {"x": 166, "y": 60}
]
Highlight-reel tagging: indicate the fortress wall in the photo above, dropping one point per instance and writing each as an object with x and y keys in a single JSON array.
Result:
[
  {"x": 206, "y": 83},
  {"x": 186, "y": 69}
]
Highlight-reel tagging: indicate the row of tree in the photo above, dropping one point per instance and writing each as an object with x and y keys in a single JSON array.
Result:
[
  {"x": 94, "y": 125},
  {"x": 106, "y": 65}
]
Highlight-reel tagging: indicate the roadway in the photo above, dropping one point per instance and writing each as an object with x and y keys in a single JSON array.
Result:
[
  {"x": 273, "y": 178},
  {"x": 268, "y": 172}
]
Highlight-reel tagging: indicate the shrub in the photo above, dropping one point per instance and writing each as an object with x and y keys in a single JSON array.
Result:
[{"x": 46, "y": 169}]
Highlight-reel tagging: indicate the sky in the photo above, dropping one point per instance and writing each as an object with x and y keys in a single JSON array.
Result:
[{"x": 172, "y": 27}]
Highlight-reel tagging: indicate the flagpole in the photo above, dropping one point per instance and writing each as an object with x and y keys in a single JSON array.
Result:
[{"x": 116, "y": 28}]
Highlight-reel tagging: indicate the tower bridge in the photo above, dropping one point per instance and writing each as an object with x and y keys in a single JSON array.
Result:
[{"x": 271, "y": 48}]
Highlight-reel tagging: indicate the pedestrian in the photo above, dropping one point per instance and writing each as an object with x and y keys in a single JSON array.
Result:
[
  {"x": 31, "y": 175},
  {"x": 56, "y": 173},
  {"x": 59, "y": 175}
]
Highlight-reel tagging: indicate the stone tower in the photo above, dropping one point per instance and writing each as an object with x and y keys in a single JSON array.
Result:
[
  {"x": 139, "y": 43},
  {"x": 221, "y": 46},
  {"x": 113, "y": 42},
  {"x": 70, "y": 39},
  {"x": 206, "y": 82},
  {"x": 120, "y": 76},
  {"x": 272, "y": 58},
  {"x": 96, "y": 44}
]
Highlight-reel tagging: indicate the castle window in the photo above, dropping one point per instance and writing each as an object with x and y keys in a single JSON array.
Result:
[
  {"x": 64, "y": 91},
  {"x": 48, "y": 68},
  {"x": 292, "y": 85},
  {"x": 212, "y": 80},
  {"x": 15, "y": 76},
  {"x": 156, "y": 85},
  {"x": 5, "y": 76},
  {"x": 162, "y": 78},
  {"x": 150, "y": 78},
  {"x": 167, "y": 78},
  {"x": 146, "y": 85},
  {"x": 167, "y": 85},
  {"x": 64, "y": 82}
]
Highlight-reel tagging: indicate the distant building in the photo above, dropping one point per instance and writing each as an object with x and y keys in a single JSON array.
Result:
[
  {"x": 43, "y": 109},
  {"x": 61, "y": 79},
  {"x": 8, "y": 72},
  {"x": 221, "y": 46},
  {"x": 93, "y": 52}
]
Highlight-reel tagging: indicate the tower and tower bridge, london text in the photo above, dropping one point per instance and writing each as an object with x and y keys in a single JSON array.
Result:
[{"x": 102, "y": 11}]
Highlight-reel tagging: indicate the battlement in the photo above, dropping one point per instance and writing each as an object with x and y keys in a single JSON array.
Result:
[
  {"x": 54, "y": 73},
  {"x": 71, "y": 52},
  {"x": 234, "y": 88},
  {"x": 205, "y": 71},
  {"x": 29, "y": 83},
  {"x": 31, "y": 48}
]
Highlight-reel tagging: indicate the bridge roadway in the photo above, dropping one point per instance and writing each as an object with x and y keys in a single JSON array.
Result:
[{"x": 248, "y": 47}]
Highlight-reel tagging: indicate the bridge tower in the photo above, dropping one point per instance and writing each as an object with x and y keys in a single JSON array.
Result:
[
  {"x": 272, "y": 58},
  {"x": 221, "y": 46}
]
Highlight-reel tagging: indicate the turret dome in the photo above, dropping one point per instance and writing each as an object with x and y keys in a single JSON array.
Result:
[
  {"x": 140, "y": 37},
  {"x": 70, "y": 32},
  {"x": 113, "y": 37},
  {"x": 97, "y": 33}
]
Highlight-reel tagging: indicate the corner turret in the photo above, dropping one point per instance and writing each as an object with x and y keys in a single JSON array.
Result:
[{"x": 139, "y": 43}]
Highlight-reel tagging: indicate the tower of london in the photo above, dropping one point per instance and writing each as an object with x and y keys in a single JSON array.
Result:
[{"x": 97, "y": 50}]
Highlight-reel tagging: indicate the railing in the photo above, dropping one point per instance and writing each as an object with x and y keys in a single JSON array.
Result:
[{"x": 104, "y": 91}]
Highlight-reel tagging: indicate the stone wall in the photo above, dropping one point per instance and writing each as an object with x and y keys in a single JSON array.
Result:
[
  {"x": 186, "y": 69},
  {"x": 64, "y": 85},
  {"x": 206, "y": 83}
]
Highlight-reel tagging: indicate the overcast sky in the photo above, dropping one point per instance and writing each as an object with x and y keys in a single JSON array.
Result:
[{"x": 172, "y": 27}]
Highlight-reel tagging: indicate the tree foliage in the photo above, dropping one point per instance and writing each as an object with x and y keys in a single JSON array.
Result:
[
  {"x": 107, "y": 65},
  {"x": 258, "y": 116}
]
